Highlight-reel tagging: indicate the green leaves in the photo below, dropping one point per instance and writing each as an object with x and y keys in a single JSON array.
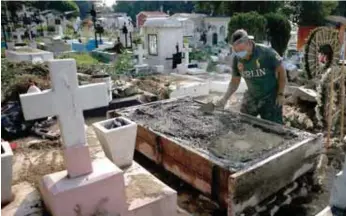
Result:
[
  {"x": 279, "y": 31},
  {"x": 252, "y": 22}
]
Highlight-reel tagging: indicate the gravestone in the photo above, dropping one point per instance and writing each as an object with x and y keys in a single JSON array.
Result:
[
  {"x": 85, "y": 183},
  {"x": 19, "y": 35},
  {"x": 140, "y": 52},
  {"x": 186, "y": 50},
  {"x": 140, "y": 66},
  {"x": 176, "y": 59}
]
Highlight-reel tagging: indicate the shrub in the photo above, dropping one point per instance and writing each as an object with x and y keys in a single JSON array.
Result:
[
  {"x": 279, "y": 31},
  {"x": 123, "y": 64},
  {"x": 252, "y": 22},
  {"x": 51, "y": 28}
]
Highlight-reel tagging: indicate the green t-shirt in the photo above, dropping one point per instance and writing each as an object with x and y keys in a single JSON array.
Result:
[{"x": 259, "y": 71}]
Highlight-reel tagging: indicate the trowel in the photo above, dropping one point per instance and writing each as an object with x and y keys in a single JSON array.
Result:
[{"x": 207, "y": 108}]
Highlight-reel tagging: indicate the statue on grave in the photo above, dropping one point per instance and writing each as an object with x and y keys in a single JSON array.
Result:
[
  {"x": 177, "y": 47},
  {"x": 203, "y": 37},
  {"x": 118, "y": 47}
]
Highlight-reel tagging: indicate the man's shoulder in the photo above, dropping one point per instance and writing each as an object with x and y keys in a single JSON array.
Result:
[{"x": 263, "y": 48}]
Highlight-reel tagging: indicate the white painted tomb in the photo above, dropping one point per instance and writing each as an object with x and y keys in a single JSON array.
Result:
[
  {"x": 117, "y": 143},
  {"x": 20, "y": 54},
  {"x": 57, "y": 46},
  {"x": 161, "y": 36},
  {"x": 86, "y": 184},
  {"x": 6, "y": 173}
]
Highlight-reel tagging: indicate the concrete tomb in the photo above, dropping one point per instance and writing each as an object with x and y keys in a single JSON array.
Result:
[
  {"x": 27, "y": 54},
  {"x": 226, "y": 155},
  {"x": 85, "y": 186},
  {"x": 6, "y": 173}
]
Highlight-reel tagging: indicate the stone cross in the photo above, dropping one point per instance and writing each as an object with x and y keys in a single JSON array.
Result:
[
  {"x": 140, "y": 52},
  {"x": 186, "y": 50},
  {"x": 19, "y": 35},
  {"x": 67, "y": 101}
]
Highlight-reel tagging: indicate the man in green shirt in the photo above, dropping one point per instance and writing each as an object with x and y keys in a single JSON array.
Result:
[{"x": 264, "y": 75}]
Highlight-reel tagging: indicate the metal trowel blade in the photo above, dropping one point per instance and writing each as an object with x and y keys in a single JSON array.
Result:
[{"x": 207, "y": 108}]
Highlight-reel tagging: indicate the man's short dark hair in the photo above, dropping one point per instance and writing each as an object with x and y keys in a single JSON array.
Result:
[{"x": 240, "y": 33}]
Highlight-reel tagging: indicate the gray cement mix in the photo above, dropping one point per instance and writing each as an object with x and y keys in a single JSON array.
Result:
[{"x": 223, "y": 135}]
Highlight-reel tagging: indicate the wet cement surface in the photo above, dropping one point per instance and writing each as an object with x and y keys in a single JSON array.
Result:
[{"x": 220, "y": 135}]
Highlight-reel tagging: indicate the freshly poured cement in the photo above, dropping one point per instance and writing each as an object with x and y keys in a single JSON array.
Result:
[{"x": 223, "y": 134}]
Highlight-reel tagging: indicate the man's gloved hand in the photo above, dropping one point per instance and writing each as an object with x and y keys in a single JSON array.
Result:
[{"x": 280, "y": 99}]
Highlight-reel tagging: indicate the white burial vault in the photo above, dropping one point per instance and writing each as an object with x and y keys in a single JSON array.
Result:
[
  {"x": 6, "y": 173},
  {"x": 90, "y": 186},
  {"x": 28, "y": 54},
  {"x": 161, "y": 37}
]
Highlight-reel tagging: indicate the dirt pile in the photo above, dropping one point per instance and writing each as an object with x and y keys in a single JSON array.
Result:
[{"x": 154, "y": 86}]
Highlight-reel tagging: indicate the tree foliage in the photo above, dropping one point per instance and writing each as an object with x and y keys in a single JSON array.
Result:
[
  {"x": 227, "y": 8},
  {"x": 84, "y": 8},
  {"x": 279, "y": 31},
  {"x": 252, "y": 22},
  {"x": 132, "y": 8},
  {"x": 61, "y": 6},
  {"x": 312, "y": 13}
]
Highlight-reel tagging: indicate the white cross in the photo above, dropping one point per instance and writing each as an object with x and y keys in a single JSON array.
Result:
[
  {"x": 140, "y": 52},
  {"x": 67, "y": 100},
  {"x": 19, "y": 35},
  {"x": 186, "y": 50}
]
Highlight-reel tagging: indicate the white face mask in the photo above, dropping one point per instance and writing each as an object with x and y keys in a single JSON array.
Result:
[{"x": 241, "y": 54}]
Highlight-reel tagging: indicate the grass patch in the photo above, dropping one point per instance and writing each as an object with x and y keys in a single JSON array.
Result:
[{"x": 81, "y": 58}]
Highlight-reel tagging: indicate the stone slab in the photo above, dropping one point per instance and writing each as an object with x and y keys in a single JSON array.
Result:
[
  {"x": 325, "y": 212},
  {"x": 14, "y": 56},
  {"x": 147, "y": 195},
  {"x": 27, "y": 201},
  {"x": 149, "y": 202},
  {"x": 100, "y": 191},
  {"x": 6, "y": 172},
  {"x": 189, "y": 88}
]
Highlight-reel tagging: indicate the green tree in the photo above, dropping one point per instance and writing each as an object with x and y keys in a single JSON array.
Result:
[
  {"x": 61, "y": 6},
  {"x": 312, "y": 13},
  {"x": 228, "y": 8},
  {"x": 279, "y": 31},
  {"x": 252, "y": 22},
  {"x": 132, "y": 8}
]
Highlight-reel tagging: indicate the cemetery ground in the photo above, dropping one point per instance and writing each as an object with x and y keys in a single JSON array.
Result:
[{"x": 35, "y": 157}]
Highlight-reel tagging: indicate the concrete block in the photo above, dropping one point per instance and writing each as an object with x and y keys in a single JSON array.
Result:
[
  {"x": 6, "y": 173},
  {"x": 117, "y": 143},
  {"x": 18, "y": 55},
  {"x": 305, "y": 94},
  {"x": 189, "y": 88},
  {"x": 148, "y": 196},
  {"x": 103, "y": 190}
]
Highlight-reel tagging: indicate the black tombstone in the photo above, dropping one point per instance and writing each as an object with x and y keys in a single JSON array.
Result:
[{"x": 177, "y": 57}]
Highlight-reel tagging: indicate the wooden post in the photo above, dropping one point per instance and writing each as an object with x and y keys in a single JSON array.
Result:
[{"x": 330, "y": 115}]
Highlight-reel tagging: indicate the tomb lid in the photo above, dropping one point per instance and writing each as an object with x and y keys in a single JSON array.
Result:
[{"x": 162, "y": 22}]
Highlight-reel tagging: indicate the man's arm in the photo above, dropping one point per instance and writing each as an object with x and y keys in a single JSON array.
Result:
[
  {"x": 233, "y": 84},
  {"x": 232, "y": 87},
  {"x": 281, "y": 77}
]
